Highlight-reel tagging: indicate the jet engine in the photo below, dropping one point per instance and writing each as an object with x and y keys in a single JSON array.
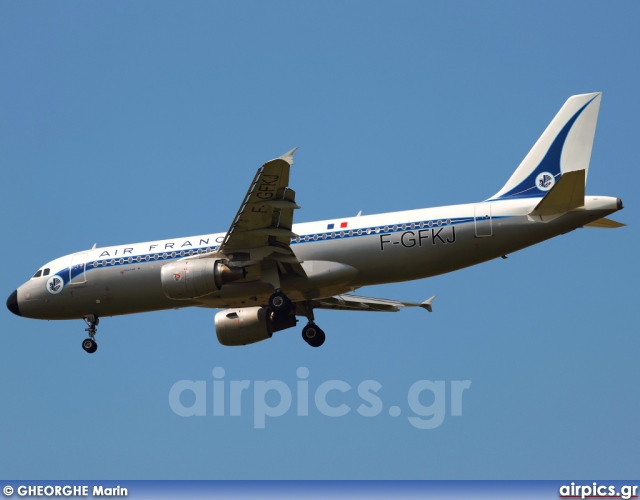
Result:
[
  {"x": 248, "y": 325},
  {"x": 188, "y": 279}
]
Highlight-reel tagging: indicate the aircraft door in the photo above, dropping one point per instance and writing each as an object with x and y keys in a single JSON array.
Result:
[
  {"x": 77, "y": 268},
  {"x": 482, "y": 218}
]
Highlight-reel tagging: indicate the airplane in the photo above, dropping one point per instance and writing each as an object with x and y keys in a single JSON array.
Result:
[{"x": 264, "y": 271}]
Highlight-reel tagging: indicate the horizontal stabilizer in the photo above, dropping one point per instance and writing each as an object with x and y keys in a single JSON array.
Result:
[
  {"x": 566, "y": 194},
  {"x": 605, "y": 223}
]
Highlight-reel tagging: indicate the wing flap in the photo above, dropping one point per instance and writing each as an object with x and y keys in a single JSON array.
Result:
[
  {"x": 348, "y": 302},
  {"x": 265, "y": 217},
  {"x": 279, "y": 232}
]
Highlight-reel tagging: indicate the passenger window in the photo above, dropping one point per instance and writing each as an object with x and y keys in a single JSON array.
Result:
[
  {"x": 38, "y": 274},
  {"x": 46, "y": 272}
]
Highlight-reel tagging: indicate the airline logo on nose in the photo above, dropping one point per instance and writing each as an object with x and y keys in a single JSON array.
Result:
[{"x": 54, "y": 285}]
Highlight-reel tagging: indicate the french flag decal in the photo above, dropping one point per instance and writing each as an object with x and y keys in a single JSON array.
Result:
[{"x": 342, "y": 225}]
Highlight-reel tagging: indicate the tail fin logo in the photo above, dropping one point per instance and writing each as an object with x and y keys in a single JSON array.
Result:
[{"x": 545, "y": 181}]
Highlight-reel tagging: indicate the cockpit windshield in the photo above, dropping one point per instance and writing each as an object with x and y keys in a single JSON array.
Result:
[{"x": 41, "y": 272}]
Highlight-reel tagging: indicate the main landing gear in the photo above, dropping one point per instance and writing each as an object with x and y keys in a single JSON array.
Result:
[
  {"x": 312, "y": 334},
  {"x": 89, "y": 344},
  {"x": 280, "y": 303}
]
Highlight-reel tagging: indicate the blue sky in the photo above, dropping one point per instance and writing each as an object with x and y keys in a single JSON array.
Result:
[{"x": 125, "y": 122}]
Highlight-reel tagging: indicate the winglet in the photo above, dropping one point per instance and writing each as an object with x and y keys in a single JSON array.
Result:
[
  {"x": 427, "y": 304},
  {"x": 288, "y": 156}
]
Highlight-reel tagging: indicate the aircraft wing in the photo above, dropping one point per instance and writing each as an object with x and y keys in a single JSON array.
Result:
[
  {"x": 262, "y": 227},
  {"x": 348, "y": 302}
]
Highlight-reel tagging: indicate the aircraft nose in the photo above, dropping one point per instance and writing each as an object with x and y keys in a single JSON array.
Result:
[{"x": 12, "y": 303}]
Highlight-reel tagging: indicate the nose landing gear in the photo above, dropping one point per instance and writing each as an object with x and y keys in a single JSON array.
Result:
[{"x": 89, "y": 344}]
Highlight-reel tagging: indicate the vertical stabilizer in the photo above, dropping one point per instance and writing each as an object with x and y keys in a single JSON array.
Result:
[{"x": 565, "y": 146}]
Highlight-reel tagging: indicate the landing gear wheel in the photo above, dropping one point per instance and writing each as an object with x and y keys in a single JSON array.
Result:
[
  {"x": 89, "y": 345},
  {"x": 279, "y": 303},
  {"x": 313, "y": 335}
]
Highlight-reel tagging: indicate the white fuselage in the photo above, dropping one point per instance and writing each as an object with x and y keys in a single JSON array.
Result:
[{"x": 383, "y": 248}]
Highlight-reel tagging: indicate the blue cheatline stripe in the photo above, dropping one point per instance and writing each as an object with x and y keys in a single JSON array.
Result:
[
  {"x": 381, "y": 229},
  {"x": 307, "y": 238},
  {"x": 77, "y": 270}
]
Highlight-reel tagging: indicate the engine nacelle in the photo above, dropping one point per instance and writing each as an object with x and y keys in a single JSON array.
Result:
[
  {"x": 248, "y": 325},
  {"x": 191, "y": 278}
]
